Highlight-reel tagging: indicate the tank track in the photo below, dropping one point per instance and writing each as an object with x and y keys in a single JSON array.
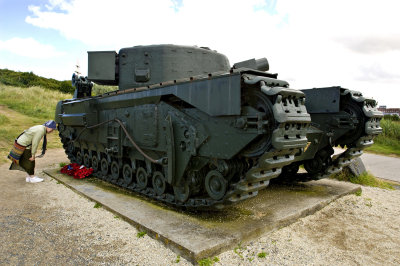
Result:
[
  {"x": 288, "y": 137},
  {"x": 354, "y": 149}
]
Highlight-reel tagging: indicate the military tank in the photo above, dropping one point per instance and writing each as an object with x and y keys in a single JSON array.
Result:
[
  {"x": 184, "y": 127},
  {"x": 340, "y": 118}
]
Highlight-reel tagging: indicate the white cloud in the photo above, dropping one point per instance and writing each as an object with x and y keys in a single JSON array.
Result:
[
  {"x": 311, "y": 42},
  {"x": 29, "y": 47}
]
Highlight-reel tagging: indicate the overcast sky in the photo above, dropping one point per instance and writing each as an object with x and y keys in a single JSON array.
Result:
[{"x": 310, "y": 43}]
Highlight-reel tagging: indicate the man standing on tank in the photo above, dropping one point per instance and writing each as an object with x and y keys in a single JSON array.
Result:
[{"x": 29, "y": 141}]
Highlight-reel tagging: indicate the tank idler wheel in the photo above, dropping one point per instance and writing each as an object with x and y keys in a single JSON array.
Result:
[
  {"x": 159, "y": 184},
  {"x": 86, "y": 160},
  {"x": 354, "y": 110},
  {"x": 141, "y": 178},
  {"x": 260, "y": 101},
  {"x": 95, "y": 163},
  {"x": 104, "y": 167},
  {"x": 182, "y": 193},
  {"x": 215, "y": 184},
  {"x": 79, "y": 158},
  {"x": 114, "y": 170},
  {"x": 127, "y": 174}
]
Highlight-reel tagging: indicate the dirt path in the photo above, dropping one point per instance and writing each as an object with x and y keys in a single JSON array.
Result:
[{"x": 47, "y": 223}]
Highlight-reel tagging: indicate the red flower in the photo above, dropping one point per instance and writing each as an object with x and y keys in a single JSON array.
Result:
[{"x": 76, "y": 170}]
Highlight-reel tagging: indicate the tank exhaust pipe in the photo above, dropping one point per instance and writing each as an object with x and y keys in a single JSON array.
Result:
[{"x": 259, "y": 64}]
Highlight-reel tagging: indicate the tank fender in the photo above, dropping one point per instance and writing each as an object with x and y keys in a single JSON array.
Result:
[{"x": 79, "y": 119}]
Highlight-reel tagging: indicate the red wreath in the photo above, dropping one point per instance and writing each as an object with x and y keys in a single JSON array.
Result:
[{"x": 77, "y": 171}]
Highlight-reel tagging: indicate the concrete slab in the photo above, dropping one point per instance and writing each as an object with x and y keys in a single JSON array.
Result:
[
  {"x": 382, "y": 166},
  {"x": 205, "y": 234}
]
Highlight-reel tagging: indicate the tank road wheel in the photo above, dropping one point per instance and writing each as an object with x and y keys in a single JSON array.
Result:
[
  {"x": 68, "y": 146},
  {"x": 314, "y": 165},
  {"x": 290, "y": 170},
  {"x": 104, "y": 167},
  {"x": 79, "y": 158},
  {"x": 182, "y": 193},
  {"x": 259, "y": 101},
  {"x": 95, "y": 163},
  {"x": 215, "y": 184},
  {"x": 127, "y": 174},
  {"x": 114, "y": 170},
  {"x": 159, "y": 184},
  {"x": 86, "y": 160},
  {"x": 141, "y": 178},
  {"x": 319, "y": 163}
]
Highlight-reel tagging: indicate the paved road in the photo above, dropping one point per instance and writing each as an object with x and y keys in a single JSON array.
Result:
[{"x": 382, "y": 166}]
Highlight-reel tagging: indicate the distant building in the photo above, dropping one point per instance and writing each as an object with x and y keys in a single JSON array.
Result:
[{"x": 389, "y": 111}]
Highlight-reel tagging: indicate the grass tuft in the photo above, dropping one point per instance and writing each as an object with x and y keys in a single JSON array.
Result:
[
  {"x": 208, "y": 261},
  {"x": 141, "y": 234},
  {"x": 97, "y": 205},
  {"x": 365, "y": 179},
  {"x": 262, "y": 255},
  {"x": 3, "y": 119}
]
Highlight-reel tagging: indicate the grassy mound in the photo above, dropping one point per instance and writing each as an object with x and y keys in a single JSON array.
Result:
[
  {"x": 28, "y": 79},
  {"x": 36, "y": 102}
]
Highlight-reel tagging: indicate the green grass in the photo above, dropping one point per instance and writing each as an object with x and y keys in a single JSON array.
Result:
[
  {"x": 366, "y": 179},
  {"x": 29, "y": 79},
  {"x": 4, "y": 120},
  {"x": 141, "y": 234},
  {"x": 208, "y": 261},
  {"x": 388, "y": 143},
  {"x": 33, "y": 102},
  {"x": 21, "y": 108},
  {"x": 262, "y": 255},
  {"x": 97, "y": 205},
  {"x": 101, "y": 89}
]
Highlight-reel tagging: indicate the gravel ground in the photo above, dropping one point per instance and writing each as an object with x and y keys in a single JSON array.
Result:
[{"x": 47, "y": 223}]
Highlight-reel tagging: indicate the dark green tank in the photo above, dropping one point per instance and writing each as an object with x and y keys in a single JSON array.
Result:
[{"x": 188, "y": 129}]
